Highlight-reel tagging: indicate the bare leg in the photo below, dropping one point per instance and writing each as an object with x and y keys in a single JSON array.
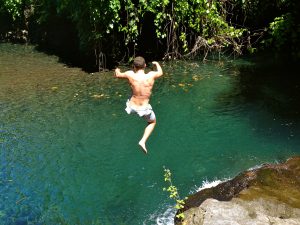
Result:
[{"x": 147, "y": 132}]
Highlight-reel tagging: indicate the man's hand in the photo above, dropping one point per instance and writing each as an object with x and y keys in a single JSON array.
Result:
[
  {"x": 119, "y": 74},
  {"x": 159, "y": 71},
  {"x": 155, "y": 63},
  {"x": 117, "y": 71}
]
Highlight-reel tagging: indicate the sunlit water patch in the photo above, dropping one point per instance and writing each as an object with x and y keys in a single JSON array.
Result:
[{"x": 69, "y": 151}]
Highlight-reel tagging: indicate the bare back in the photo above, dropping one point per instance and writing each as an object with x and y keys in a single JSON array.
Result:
[
  {"x": 141, "y": 83},
  {"x": 141, "y": 86}
]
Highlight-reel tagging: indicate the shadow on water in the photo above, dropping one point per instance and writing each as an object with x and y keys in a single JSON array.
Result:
[
  {"x": 267, "y": 83},
  {"x": 266, "y": 93}
]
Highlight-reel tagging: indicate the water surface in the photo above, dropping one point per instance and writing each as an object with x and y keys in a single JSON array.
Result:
[{"x": 69, "y": 151}]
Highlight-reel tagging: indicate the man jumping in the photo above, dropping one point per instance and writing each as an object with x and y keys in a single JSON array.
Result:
[{"x": 141, "y": 85}]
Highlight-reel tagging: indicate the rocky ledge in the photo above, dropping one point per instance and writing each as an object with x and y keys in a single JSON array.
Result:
[{"x": 266, "y": 195}]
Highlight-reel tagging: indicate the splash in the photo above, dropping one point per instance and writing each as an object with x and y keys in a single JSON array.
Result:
[
  {"x": 210, "y": 184},
  {"x": 162, "y": 218}
]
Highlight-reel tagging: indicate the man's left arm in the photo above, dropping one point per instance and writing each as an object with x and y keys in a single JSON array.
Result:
[{"x": 158, "y": 72}]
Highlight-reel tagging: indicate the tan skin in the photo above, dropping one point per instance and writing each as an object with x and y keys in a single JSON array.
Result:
[{"x": 141, "y": 85}]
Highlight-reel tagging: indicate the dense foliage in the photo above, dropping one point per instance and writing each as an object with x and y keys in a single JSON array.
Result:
[{"x": 116, "y": 30}]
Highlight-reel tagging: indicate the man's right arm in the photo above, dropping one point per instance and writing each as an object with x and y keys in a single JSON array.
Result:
[
  {"x": 119, "y": 74},
  {"x": 159, "y": 71}
]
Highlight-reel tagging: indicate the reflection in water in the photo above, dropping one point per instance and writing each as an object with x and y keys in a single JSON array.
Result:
[{"x": 69, "y": 151}]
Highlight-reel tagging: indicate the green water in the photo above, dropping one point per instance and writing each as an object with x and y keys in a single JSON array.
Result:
[{"x": 69, "y": 151}]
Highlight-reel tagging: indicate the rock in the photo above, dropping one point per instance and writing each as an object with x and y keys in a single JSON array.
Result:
[
  {"x": 241, "y": 212},
  {"x": 266, "y": 195}
]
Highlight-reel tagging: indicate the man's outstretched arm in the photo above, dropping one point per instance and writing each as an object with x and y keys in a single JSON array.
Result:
[
  {"x": 119, "y": 74},
  {"x": 159, "y": 71}
]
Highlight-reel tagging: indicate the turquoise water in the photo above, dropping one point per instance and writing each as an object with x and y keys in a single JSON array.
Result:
[{"x": 69, "y": 151}]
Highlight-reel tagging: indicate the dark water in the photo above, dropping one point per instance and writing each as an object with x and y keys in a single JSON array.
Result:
[{"x": 69, "y": 151}]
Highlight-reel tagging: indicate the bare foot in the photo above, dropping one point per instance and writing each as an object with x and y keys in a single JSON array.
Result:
[{"x": 143, "y": 147}]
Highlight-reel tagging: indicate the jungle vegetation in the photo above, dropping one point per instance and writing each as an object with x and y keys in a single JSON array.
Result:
[{"x": 102, "y": 33}]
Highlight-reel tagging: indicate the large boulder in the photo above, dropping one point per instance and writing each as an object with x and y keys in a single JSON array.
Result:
[{"x": 266, "y": 195}]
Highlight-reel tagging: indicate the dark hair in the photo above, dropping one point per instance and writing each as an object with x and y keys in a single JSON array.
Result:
[{"x": 139, "y": 62}]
